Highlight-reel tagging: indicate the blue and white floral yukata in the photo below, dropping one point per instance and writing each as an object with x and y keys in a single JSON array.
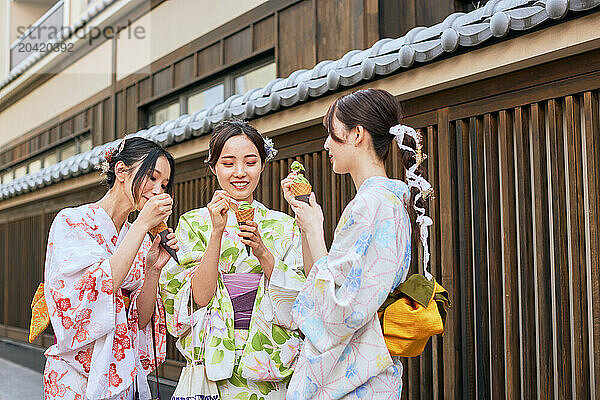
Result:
[{"x": 344, "y": 355}]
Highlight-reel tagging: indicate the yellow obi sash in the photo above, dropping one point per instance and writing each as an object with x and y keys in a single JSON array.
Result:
[
  {"x": 413, "y": 313},
  {"x": 40, "y": 318}
]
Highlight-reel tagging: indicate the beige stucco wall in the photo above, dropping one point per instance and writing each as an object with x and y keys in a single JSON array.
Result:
[
  {"x": 23, "y": 14},
  {"x": 4, "y": 38},
  {"x": 76, "y": 83},
  {"x": 171, "y": 25}
]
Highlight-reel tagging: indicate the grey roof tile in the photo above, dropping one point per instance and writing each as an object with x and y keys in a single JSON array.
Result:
[{"x": 421, "y": 44}]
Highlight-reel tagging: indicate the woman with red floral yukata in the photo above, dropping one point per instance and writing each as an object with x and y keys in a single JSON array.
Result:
[{"x": 95, "y": 259}]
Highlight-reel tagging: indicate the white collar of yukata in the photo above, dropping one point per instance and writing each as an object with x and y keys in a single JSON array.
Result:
[
  {"x": 106, "y": 217},
  {"x": 398, "y": 187},
  {"x": 258, "y": 204},
  {"x": 375, "y": 180}
]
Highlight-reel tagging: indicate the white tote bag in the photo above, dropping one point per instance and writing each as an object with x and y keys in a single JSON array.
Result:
[{"x": 193, "y": 383}]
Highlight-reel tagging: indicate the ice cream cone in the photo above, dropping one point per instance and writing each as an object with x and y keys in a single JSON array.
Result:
[
  {"x": 162, "y": 230},
  {"x": 158, "y": 228},
  {"x": 301, "y": 187},
  {"x": 243, "y": 215},
  {"x": 301, "y": 191}
]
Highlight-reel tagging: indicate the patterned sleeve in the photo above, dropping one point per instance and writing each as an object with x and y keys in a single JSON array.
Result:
[
  {"x": 288, "y": 276},
  {"x": 345, "y": 288},
  {"x": 78, "y": 280},
  {"x": 175, "y": 280}
]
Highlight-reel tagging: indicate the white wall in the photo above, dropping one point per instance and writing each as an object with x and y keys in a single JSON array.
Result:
[
  {"x": 76, "y": 83},
  {"x": 173, "y": 24},
  {"x": 4, "y": 38},
  {"x": 24, "y": 14}
]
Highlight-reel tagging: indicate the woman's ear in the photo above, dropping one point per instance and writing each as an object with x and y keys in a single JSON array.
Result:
[
  {"x": 121, "y": 171},
  {"x": 358, "y": 135}
]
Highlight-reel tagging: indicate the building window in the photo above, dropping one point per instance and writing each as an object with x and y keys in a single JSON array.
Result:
[
  {"x": 39, "y": 33},
  {"x": 76, "y": 146},
  {"x": 255, "y": 78},
  {"x": 85, "y": 143},
  {"x": 50, "y": 159},
  {"x": 7, "y": 177},
  {"x": 163, "y": 113},
  {"x": 240, "y": 81},
  {"x": 206, "y": 98},
  {"x": 20, "y": 171},
  {"x": 35, "y": 166},
  {"x": 68, "y": 151}
]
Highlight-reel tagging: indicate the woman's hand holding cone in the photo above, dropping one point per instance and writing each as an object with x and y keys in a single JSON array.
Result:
[
  {"x": 155, "y": 210},
  {"x": 250, "y": 236},
  {"x": 157, "y": 257},
  {"x": 217, "y": 208},
  {"x": 286, "y": 186},
  {"x": 309, "y": 217}
]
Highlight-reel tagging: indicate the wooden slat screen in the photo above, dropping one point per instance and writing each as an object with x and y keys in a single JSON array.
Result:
[
  {"x": 519, "y": 188},
  {"x": 25, "y": 244}
]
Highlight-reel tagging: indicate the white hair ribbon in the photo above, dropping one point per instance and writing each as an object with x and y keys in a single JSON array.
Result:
[
  {"x": 122, "y": 145},
  {"x": 415, "y": 181},
  {"x": 399, "y": 131}
]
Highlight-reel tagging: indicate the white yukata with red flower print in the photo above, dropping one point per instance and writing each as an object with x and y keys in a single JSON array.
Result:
[{"x": 99, "y": 349}]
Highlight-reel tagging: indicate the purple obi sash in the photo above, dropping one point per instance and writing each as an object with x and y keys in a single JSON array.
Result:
[{"x": 242, "y": 288}]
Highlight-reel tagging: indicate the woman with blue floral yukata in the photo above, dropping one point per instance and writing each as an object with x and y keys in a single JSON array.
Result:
[
  {"x": 344, "y": 355},
  {"x": 239, "y": 273}
]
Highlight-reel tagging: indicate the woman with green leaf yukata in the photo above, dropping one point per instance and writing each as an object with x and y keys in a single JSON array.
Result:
[{"x": 238, "y": 302}]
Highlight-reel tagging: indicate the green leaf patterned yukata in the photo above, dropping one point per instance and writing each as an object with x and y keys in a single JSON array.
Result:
[{"x": 246, "y": 364}]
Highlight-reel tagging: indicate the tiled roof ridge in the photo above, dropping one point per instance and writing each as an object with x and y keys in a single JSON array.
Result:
[{"x": 421, "y": 44}]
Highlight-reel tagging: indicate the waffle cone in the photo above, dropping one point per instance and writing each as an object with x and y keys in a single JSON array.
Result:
[
  {"x": 244, "y": 216},
  {"x": 162, "y": 230},
  {"x": 300, "y": 188},
  {"x": 158, "y": 228}
]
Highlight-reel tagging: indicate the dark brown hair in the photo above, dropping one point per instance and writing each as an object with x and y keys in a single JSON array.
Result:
[
  {"x": 228, "y": 129},
  {"x": 376, "y": 111},
  {"x": 134, "y": 150}
]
